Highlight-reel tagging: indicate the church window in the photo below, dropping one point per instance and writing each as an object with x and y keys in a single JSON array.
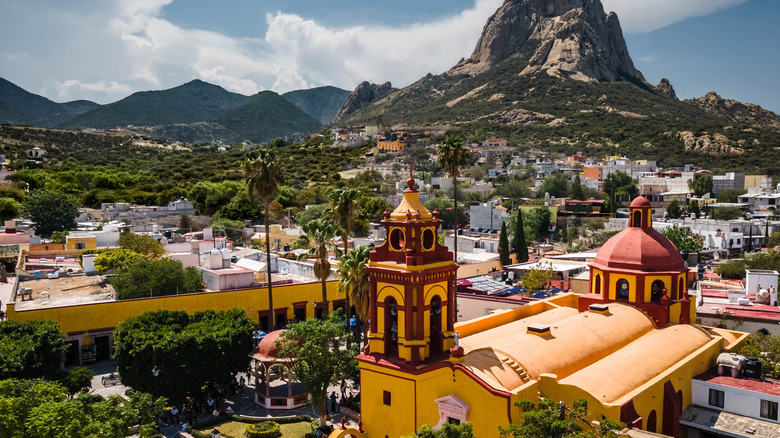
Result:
[
  {"x": 386, "y": 397},
  {"x": 657, "y": 290},
  {"x": 397, "y": 239},
  {"x": 637, "y": 219},
  {"x": 598, "y": 285},
  {"x": 428, "y": 239},
  {"x": 622, "y": 289}
]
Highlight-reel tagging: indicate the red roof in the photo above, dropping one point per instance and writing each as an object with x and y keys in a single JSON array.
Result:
[
  {"x": 640, "y": 249},
  {"x": 640, "y": 202},
  {"x": 762, "y": 386},
  {"x": 267, "y": 347}
]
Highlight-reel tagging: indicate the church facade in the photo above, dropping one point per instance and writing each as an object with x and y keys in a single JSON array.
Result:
[{"x": 628, "y": 347}]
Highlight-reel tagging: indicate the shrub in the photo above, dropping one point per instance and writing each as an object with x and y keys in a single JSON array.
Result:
[{"x": 266, "y": 429}]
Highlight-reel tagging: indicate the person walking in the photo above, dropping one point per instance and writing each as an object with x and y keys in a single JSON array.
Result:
[
  {"x": 343, "y": 388},
  {"x": 333, "y": 402}
]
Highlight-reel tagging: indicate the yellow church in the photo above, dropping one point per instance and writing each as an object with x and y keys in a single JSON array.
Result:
[{"x": 628, "y": 347}]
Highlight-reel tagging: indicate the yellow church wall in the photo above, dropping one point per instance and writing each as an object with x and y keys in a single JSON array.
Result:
[
  {"x": 102, "y": 315},
  {"x": 412, "y": 401}
]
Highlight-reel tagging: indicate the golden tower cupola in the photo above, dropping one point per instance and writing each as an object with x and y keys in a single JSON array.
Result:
[{"x": 412, "y": 285}]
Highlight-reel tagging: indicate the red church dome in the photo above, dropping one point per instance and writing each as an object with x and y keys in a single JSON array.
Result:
[{"x": 639, "y": 249}]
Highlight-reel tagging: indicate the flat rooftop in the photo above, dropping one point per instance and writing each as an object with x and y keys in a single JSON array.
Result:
[
  {"x": 766, "y": 386},
  {"x": 64, "y": 291}
]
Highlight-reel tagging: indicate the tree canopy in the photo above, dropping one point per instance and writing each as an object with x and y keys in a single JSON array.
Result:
[
  {"x": 42, "y": 409},
  {"x": 766, "y": 347},
  {"x": 31, "y": 349},
  {"x": 555, "y": 185},
  {"x": 318, "y": 358},
  {"x": 50, "y": 210},
  {"x": 503, "y": 246},
  {"x": 684, "y": 240},
  {"x": 154, "y": 278},
  {"x": 550, "y": 419},
  {"x": 700, "y": 185},
  {"x": 190, "y": 351},
  {"x": 116, "y": 259},
  {"x": 141, "y": 244}
]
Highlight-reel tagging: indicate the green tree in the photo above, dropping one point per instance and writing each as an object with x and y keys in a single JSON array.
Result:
[
  {"x": 50, "y": 211},
  {"x": 263, "y": 174},
  {"x": 550, "y": 419},
  {"x": 539, "y": 220},
  {"x": 213, "y": 345},
  {"x": 464, "y": 430},
  {"x": 555, "y": 185},
  {"x": 234, "y": 230},
  {"x": 575, "y": 192},
  {"x": 77, "y": 379},
  {"x": 353, "y": 281},
  {"x": 673, "y": 209},
  {"x": 344, "y": 206},
  {"x": 693, "y": 207},
  {"x": 452, "y": 156},
  {"x": 314, "y": 345},
  {"x": 59, "y": 236},
  {"x": 726, "y": 213},
  {"x": 42, "y": 409},
  {"x": 9, "y": 209},
  {"x": 116, "y": 259},
  {"x": 320, "y": 233},
  {"x": 734, "y": 269},
  {"x": 684, "y": 240},
  {"x": 766, "y": 347},
  {"x": 700, "y": 185},
  {"x": 773, "y": 241},
  {"x": 145, "y": 245},
  {"x": 503, "y": 246},
  {"x": 618, "y": 183},
  {"x": 185, "y": 223},
  {"x": 538, "y": 278},
  {"x": 518, "y": 238},
  {"x": 154, "y": 278},
  {"x": 31, "y": 349},
  {"x": 731, "y": 195}
]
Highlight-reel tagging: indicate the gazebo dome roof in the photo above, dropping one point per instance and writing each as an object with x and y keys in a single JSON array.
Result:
[{"x": 266, "y": 350}]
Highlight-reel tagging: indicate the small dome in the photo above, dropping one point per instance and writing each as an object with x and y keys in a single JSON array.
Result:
[
  {"x": 640, "y": 249},
  {"x": 267, "y": 347},
  {"x": 640, "y": 202}
]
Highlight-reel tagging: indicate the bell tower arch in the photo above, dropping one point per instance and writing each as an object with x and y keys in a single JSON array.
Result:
[{"x": 412, "y": 280}]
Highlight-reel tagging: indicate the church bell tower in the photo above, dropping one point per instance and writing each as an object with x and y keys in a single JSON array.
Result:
[{"x": 412, "y": 281}]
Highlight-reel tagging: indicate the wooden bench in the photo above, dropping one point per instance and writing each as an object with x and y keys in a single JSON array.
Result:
[{"x": 111, "y": 379}]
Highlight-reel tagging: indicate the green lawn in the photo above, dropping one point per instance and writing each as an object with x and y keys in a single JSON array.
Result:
[{"x": 235, "y": 429}]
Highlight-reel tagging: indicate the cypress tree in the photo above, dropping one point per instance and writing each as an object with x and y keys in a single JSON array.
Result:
[
  {"x": 503, "y": 246},
  {"x": 518, "y": 239},
  {"x": 576, "y": 191}
]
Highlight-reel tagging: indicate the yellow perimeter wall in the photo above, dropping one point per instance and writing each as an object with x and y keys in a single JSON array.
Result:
[{"x": 104, "y": 315}]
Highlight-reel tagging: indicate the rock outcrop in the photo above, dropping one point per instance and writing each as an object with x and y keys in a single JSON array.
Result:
[
  {"x": 573, "y": 38},
  {"x": 744, "y": 113},
  {"x": 364, "y": 95},
  {"x": 665, "y": 87}
]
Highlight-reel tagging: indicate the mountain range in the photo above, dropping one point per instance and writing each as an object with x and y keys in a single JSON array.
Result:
[
  {"x": 193, "y": 112},
  {"x": 556, "y": 75}
]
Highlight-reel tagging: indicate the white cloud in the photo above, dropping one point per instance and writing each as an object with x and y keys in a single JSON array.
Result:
[
  {"x": 639, "y": 16},
  {"x": 105, "y": 50},
  {"x": 73, "y": 89}
]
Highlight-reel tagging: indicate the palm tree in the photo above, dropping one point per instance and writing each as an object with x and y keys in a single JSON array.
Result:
[
  {"x": 452, "y": 156},
  {"x": 344, "y": 204},
  {"x": 263, "y": 174},
  {"x": 321, "y": 233},
  {"x": 353, "y": 281}
]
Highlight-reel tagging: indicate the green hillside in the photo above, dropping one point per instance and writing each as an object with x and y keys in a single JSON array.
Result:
[
  {"x": 322, "y": 103},
  {"x": 20, "y": 106},
  {"x": 192, "y": 102},
  {"x": 262, "y": 117}
]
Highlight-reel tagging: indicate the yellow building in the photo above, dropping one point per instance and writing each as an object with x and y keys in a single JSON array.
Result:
[
  {"x": 279, "y": 236},
  {"x": 80, "y": 243},
  {"x": 391, "y": 145},
  {"x": 88, "y": 313},
  {"x": 631, "y": 364}
]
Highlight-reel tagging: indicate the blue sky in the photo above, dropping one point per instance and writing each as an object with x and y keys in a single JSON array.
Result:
[{"x": 103, "y": 50}]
